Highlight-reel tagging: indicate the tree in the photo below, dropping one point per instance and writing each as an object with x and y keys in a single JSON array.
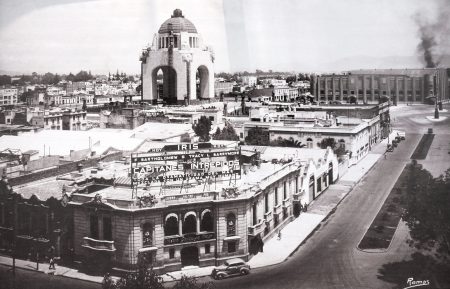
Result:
[
  {"x": 290, "y": 142},
  {"x": 227, "y": 133},
  {"x": 83, "y": 76},
  {"x": 70, "y": 77},
  {"x": 185, "y": 137},
  {"x": 328, "y": 142},
  {"x": 257, "y": 136},
  {"x": 48, "y": 78},
  {"x": 146, "y": 278},
  {"x": 202, "y": 128},
  {"x": 191, "y": 283},
  {"x": 427, "y": 211},
  {"x": 5, "y": 80}
]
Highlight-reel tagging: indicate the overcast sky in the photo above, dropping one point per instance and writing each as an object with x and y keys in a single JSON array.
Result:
[{"x": 105, "y": 35}]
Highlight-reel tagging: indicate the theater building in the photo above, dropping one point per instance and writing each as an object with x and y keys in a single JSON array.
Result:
[{"x": 197, "y": 221}]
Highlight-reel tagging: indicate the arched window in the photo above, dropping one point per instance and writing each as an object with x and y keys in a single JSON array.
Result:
[
  {"x": 206, "y": 223},
  {"x": 231, "y": 225},
  {"x": 309, "y": 143},
  {"x": 147, "y": 235},
  {"x": 171, "y": 225},
  {"x": 190, "y": 223}
]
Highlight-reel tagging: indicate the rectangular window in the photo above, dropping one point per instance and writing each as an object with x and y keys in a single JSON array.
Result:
[
  {"x": 285, "y": 191},
  {"x": 231, "y": 247},
  {"x": 171, "y": 253},
  {"x": 107, "y": 228},
  {"x": 207, "y": 248},
  {"x": 94, "y": 227}
]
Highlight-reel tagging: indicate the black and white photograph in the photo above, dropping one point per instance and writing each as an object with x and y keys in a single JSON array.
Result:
[{"x": 224, "y": 144}]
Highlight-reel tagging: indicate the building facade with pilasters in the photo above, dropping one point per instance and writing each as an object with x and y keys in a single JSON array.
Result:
[
  {"x": 371, "y": 85},
  {"x": 202, "y": 226}
]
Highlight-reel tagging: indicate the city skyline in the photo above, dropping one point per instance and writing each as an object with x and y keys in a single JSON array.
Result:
[{"x": 246, "y": 35}]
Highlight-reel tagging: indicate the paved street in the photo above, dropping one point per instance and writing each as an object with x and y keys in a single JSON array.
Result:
[
  {"x": 330, "y": 259},
  {"x": 38, "y": 280}
]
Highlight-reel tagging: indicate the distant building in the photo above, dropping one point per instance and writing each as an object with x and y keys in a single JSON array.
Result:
[
  {"x": 8, "y": 95},
  {"x": 249, "y": 80},
  {"x": 222, "y": 88},
  {"x": 369, "y": 86}
]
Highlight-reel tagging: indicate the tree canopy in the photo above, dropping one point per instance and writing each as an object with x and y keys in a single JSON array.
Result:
[
  {"x": 328, "y": 142},
  {"x": 227, "y": 133},
  {"x": 290, "y": 142},
  {"x": 257, "y": 136},
  {"x": 427, "y": 211},
  {"x": 202, "y": 128},
  {"x": 146, "y": 278}
]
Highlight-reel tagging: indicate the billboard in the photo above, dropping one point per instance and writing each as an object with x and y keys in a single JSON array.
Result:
[{"x": 181, "y": 162}]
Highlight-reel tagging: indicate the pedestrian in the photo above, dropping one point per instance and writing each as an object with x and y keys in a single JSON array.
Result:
[
  {"x": 51, "y": 256},
  {"x": 385, "y": 156},
  {"x": 305, "y": 207},
  {"x": 279, "y": 235}
]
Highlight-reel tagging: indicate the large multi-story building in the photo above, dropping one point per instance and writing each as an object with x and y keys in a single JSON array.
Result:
[
  {"x": 198, "y": 221},
  {"x": 369, "y": 86},
  {"x": 179, "y": 54}
]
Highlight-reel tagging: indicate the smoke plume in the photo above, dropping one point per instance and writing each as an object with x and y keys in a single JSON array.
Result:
[{"x": 434, "y": 34}]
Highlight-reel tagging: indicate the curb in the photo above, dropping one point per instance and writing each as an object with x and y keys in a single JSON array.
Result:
[
  {"x": 331, "y": 212},
  {"x": 43, "y": 272}
]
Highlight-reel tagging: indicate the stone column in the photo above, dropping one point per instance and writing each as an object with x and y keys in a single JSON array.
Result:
[
  {"x": 413, "y": 87},
  {"x": 405, "y": 89},
  {"x": 326, "y": 89},
  {"x": 180, "y": 225},
  {"x": 341, "y": 90},
  {"x": 197, "y": 218},
  {"x": 372, "y": 87},
  {"x": 318, "y": 79},
  {"x": 396, "y": 91},
  {"x": 333, "y": 86}
]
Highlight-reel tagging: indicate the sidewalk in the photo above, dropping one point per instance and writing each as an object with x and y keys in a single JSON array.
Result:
[
  {"x": 43, "y": 268},
  {"x": 293, "y": 234}
]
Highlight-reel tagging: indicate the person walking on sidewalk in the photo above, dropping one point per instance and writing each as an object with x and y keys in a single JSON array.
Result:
[
  {"x": 51, "y": 256},
  {"x": 279, "y": 235}
]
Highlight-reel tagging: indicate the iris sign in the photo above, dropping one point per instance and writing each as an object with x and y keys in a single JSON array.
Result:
[{"x": 182, "y": 162}]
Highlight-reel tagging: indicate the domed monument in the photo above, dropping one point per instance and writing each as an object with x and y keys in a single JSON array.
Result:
[{"x": 177, "y": 68}]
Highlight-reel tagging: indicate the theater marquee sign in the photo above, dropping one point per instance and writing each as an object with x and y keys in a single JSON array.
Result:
[{"x": 182, "y": 162}]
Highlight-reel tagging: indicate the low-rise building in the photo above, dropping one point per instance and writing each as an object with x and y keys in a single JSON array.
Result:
[{"x": 8, "y": 95}]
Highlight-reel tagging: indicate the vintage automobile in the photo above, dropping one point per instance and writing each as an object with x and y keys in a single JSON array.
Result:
[{"x": 231, "y": 267}]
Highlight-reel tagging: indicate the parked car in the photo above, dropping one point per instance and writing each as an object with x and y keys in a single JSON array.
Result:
[
  {"x": 390, "y": 148},
  {"x": 231, "y": 267},
  {"x": 394, "y": 143},
  {"x": 402, "y": 135}
]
